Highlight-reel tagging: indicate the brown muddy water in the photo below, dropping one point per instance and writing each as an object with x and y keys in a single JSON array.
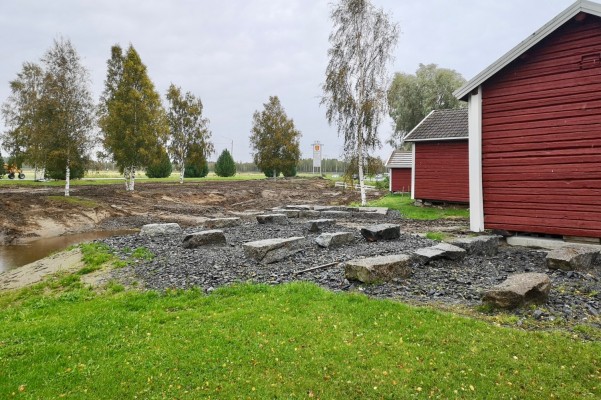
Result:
[{"x": 17, "y": 255}]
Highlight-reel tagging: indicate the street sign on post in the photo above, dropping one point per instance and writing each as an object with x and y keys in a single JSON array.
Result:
[{"x": 317, "y": 147}]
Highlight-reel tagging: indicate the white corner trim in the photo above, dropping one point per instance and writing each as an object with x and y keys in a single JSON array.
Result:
[
  {"x": 390, "y": 172},
  {"x": 413, "y": 171},
  {"x": 475, "y": 160}
]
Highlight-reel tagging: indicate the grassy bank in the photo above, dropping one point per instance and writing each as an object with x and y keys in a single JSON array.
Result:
[
  {"x": 404, "y": 204},
  {"x": 253, "y": 341}
]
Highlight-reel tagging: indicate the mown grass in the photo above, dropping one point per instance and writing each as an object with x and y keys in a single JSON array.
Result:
[
  {"x": 260, "y": 342},
  {"x": 404, "y": 205}
]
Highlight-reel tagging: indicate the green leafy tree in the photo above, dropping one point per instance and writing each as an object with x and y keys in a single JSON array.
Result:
[
  {"x": 132, "y": 119},
  {"x": 187, "y": 127},
  {"x": 361, "y": 46},
  {"x": 275, "y": 140},
  {"x": 67, "y": 104},
  {"x": 412, "y": 97},
  {"x": 225, "y": 165},
  {"x": 160, "y": 166},
  {"x": 56, "y": 165},
  {"x": 2, "y": 169}
]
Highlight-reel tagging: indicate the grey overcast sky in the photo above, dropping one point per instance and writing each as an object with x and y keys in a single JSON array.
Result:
[{"x": 234, "y": 54}]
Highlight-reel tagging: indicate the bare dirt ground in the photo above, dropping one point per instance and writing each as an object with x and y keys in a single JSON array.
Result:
[{"x": 34, "y": 212}]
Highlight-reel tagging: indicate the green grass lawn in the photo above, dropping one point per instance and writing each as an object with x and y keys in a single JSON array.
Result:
[
  {"x": 404, "y": 204},
  {"x": 60, "y": 339}
]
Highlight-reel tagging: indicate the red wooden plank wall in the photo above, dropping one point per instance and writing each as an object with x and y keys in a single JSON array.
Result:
[
  {"x": 400, "y": 179},
  {"x": 442, "y": 171},
  {"x": 541, "y": 136}
]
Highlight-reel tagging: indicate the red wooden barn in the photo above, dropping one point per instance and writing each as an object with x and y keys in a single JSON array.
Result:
[
  {"x": 399, "y": 169},
  {"x": 440, "y": 157},
  {"x": 535, "y": 131}
]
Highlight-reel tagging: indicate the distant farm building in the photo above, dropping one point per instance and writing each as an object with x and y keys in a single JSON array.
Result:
[
  {"x": 440, "y": 157},
  {"x": 535, "y": 131},
  {"x": 399, "y": 169}
]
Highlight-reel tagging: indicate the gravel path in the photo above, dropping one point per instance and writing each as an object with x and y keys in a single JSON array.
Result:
[{"x": 575, "y": 296}]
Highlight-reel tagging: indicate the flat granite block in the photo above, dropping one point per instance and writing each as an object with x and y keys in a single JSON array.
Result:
[
  {"x": 271, "y": 250},
  {"x": 381, "y": 232},
  {"x": 160, "y": 229},
  {"x": 203, "y": 238},
  {"x": 279, "y": 219},
  {"x": 318, "y": 224},
  {"x": 215, "y": 223},
  {"x": 335, "y": 239},
  {"x": 378, "y": 269}
]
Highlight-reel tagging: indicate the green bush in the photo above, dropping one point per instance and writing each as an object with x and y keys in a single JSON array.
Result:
[
  {"x": 56, "y": 166},
  {"x": 2, "y": 170},
  {"x": 289, "y": 171},
  {"x": 197, "y": 170},
  {"x": 225, "y": 165},
  {"x": 383, "y": 184},
  {"x": 269, "y": 172},
  {"x": 160, "y": 167}
]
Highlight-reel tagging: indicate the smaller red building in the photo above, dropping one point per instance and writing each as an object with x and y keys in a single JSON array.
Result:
[
  {"x": 440, "y": 157},
  {"x": 399, "y": 169}
]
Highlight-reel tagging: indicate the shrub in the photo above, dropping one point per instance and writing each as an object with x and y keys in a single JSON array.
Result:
[
  {"x": 56, "y": 166},
  {"x": 2, "y": 170},
  {"x": 225, "y": 165},
  {"x": 160, "y": 167},
  {"x": 269, "y": 172},
  {"x": 197, "y": 170}
]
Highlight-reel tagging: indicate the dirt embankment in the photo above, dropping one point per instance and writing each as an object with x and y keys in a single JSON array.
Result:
[{"x": 34, "y": 212}]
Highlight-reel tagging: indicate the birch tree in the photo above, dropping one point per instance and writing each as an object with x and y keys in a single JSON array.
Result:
[
  {"x": 188, "y": 129},
  {"x": 361, "y": 45},
  {"x": 133, "y": 121},
  {"x": 68, "y": 108}
]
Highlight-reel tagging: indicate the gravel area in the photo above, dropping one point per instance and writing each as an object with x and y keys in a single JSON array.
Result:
[{"x": 575, "y": 296}]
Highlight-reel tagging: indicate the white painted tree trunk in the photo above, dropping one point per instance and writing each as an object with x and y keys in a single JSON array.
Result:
[
  {"x": 67, "y": 179},
  {"x": 181, "y": 173},
  {"x": 126, "y": 177}
]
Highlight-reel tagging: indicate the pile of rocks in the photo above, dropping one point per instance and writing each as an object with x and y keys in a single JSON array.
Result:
[{"x": 380, "y": 260}]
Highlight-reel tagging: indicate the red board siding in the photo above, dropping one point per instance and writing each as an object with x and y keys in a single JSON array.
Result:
[
  {"x": 541, "y": 136},
  {"x": 442, "y": 171},
  {"x": 400, "y": 179}
]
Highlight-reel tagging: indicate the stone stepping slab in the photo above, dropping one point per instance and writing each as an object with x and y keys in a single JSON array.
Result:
[
  {"x": 518, "y": 290},
  {"x": 204, "y": 238},
  {"x": 379, "y": 269},
  {"x": 335, "y": 239},
  {"x": 290, "y": 213},
  {"x": 152, "y": 230},
  {"x": 279, "y": 219},
  {"x": 441, "y": 250},
  {"x": 381, "y": 232},
  {"x": 572, "y": 258},
  {"x": 271, "y": 250},
  {"x": 478, "y": 245},
  {"x": 317, "y": 225},
  {"x": 216, "y": 223}
]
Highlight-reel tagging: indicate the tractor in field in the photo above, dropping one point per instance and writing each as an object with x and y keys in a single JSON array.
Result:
[{"x": 12, "y": 171}]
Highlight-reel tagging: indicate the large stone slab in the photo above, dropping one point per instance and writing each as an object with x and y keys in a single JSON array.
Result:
[
  {"x": 518, "y": 290},
  {"x": 378, "y": 269},
  {"x": 309, "y": 214},
  {"x": 441, "y": 250},
  {"x": 151, "y": 230},
  {"x": 217, "y": 223},
  {"x": 203, "y": 238},
  {"x": 317, "y": 225},
  {"x": 336, "y": 214},
  {"x": 479, "y": 245},
  {"x": 271, "y": 250},
  {"x": 299, "y": 207},
  {"x": 335, "y": 239},
  {"x": 381, "y": 232},
  {"x": 290, "y": 213},
  {"x": 572, "y": 258},
  {"x": 279, "y": 219},
  {"x": 371, "y": 212}
]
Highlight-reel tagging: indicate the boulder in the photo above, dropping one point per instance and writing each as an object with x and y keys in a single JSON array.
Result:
[
  {"x": 279, "y": 219},
  {"x": 335, "y": 239},
  {"x": 378, "y": 269},
  {"x": 271, "y": 250},
  {"x": 572, "y": 258},
  {"x": 478, "y": 245},
  {"x": 203, "y": 238},
  {"x": 290, "y": 213},
  {"x": 151, "y": 230},
  {"x": 216, "y": 223},
  {"x": 309, "y": 214},
  {"x": 317, "y": 225},
  {"x": 441, "y": 250},
  {"x": 381, "y": 232},
  {"x": 518, "y": 290}
]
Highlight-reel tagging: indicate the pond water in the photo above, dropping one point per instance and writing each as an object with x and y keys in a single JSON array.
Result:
[{"x": 17, "y": 255}]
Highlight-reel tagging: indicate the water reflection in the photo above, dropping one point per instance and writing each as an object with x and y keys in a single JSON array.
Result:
[{"x": 17, "y": 255}]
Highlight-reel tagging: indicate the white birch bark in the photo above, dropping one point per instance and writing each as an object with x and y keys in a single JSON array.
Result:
[
  {"x": 126, "y": 177},
  {"x": 360, "y": 166},
  {"x": 181, "y": 173},
  {"x": 67, "y": 179},
  {"x": 132, "y": 178}
]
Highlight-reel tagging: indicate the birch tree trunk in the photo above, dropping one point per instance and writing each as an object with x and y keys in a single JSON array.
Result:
[
  {"x": 181, "y": 173},
  {"x": 67, "y": 178},
  {"x": 126, "y": 177},
  {"x": 132, "y": 178},
  {"x": 360, "y": 166}
]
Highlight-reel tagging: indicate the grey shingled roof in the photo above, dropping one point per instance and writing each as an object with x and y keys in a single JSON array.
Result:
[
  {"x": 400, "y": 159},
  {"x": 441, "y": 125}
]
